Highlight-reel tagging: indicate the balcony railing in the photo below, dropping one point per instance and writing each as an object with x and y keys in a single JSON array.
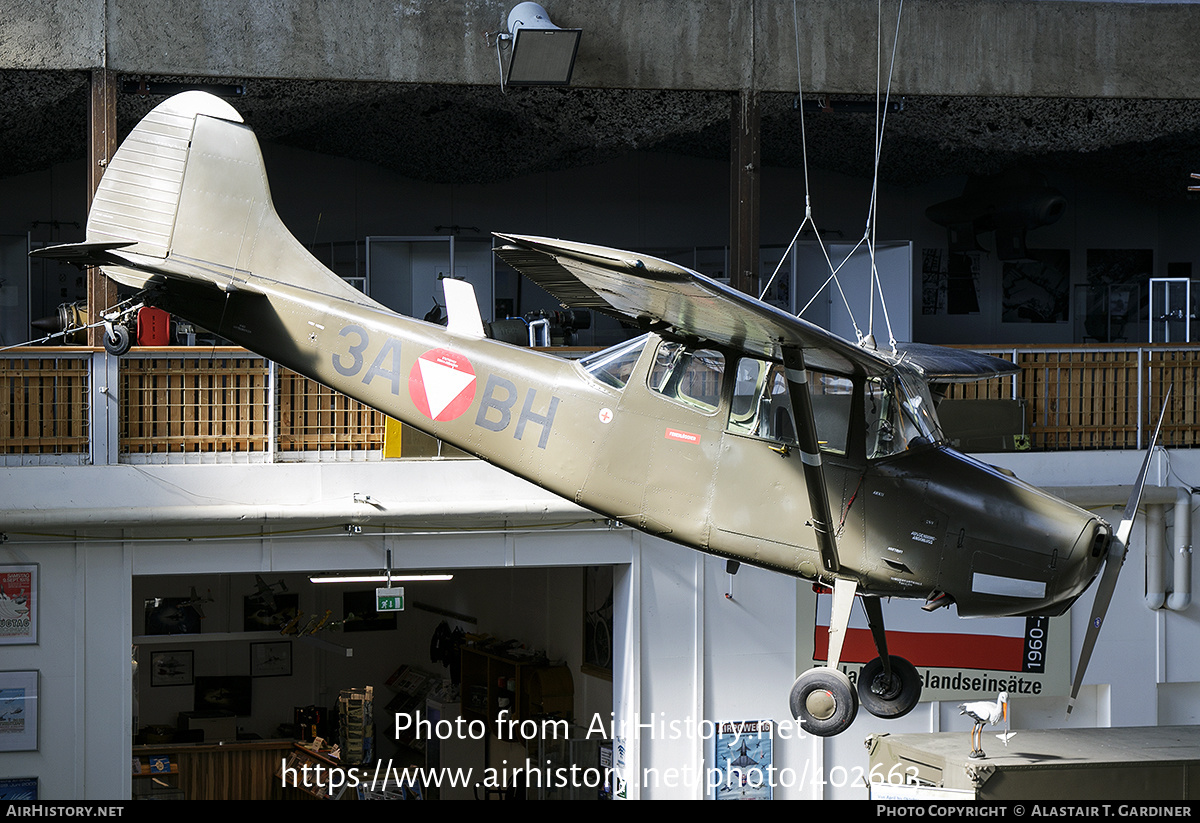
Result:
[
  {"x": 1085, "y": 397},
  {"x": 44, "y": 409},
  {"x": 180, "y": 405},
  {"x": 71, "y": 405}
]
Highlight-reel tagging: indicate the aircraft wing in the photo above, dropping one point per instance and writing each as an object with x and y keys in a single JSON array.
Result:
[
  {"x": 664, "y": 297},
  {"x": 944, "y": 365}
]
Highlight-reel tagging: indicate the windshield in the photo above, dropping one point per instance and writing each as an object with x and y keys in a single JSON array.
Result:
[
  {"x": 613, "y": 365},
  {"x": 899, "y": 410}
]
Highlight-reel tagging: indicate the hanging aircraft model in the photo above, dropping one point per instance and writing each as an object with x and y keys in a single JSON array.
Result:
[{"x": 730, "y": 427}]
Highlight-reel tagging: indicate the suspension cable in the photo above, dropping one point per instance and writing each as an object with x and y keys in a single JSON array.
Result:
[{"x": 869, "y": 233}]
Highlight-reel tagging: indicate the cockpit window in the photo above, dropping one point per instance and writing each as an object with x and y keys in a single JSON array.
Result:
[
  {"x": 899, "y": 410},
  {"x": 613, "y": 365},
  {"x": 688, "y": 376},
  {"x": 762, "y": 405}
]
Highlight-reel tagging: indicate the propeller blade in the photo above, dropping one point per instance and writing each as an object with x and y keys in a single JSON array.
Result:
[{"x": 1112, "y": 564}]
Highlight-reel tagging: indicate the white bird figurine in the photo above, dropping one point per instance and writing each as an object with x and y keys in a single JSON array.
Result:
[{"x": 984, "y": 713}]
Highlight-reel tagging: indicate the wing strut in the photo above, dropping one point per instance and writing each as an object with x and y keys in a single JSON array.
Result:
[
  {"x": 1112, "y": 564},
  {"x": 810, "y": 454}
]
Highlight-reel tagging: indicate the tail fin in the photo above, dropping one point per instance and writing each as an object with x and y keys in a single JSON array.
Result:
[
  {"x": 139, "y": 194},
  {"x": 188, "y": 189}
]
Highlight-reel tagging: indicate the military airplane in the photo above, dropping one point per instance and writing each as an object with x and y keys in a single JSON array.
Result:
[
  {"x": 197, "y": 602},
  {"x": 265, "y": 592},
  {"x": 729, "y": 426}
]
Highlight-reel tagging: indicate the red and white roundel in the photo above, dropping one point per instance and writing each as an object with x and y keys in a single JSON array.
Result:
[{"x": 442, "y": 384}]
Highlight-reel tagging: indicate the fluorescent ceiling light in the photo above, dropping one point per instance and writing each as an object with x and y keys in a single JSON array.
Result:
[{"x": 380, "y": 578}]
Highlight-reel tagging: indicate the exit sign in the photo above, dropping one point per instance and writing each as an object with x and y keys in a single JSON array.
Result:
[{"x": 389, "y": 600}]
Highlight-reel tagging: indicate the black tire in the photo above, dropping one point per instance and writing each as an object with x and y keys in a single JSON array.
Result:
[
  {"x": 119, "y": 342},
  {"x": 831, "y": 687},
  {"x": 889, "y": 700}
]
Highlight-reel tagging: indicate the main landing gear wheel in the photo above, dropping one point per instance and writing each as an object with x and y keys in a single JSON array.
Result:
[
  {"x": 889, "y": 698},
  {"x": 824, "y": 701},
  {"x": 118, "y": 341}
]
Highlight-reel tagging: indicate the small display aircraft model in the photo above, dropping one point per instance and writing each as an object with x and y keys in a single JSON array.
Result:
[
  {"x": 730, "y": 426},
  {"x": 197, "y": 602},
  {"x": 265, "y": 592}
]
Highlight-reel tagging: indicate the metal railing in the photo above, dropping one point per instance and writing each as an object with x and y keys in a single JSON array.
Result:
[
  {"x": 1088, "y": 397},
  {"x": 44, "y": 404},
  {"x": 220, "y": 404},
  {"x": 225, "y": 404},
  {"x": 189, "y": 401},
  {"x": 314, "y": 419}
]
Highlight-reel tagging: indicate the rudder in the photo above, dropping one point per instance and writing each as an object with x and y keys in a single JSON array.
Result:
[{"x": 189, "y": 189}]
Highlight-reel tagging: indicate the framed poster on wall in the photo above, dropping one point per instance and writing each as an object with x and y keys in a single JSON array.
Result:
[
  {"x": 173, "y": 668},
  {"x": 18, "y": 711},
  {"x": 18, "y": 604}
]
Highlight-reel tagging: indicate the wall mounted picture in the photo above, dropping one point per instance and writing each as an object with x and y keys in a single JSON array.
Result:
[
  {"x": 18, "y": 711},
  {"x": 271, "y": 659},
  {"x": 1038, "y": 290},
  {"x": 18, "y": 789},
  {"x": 223, "y": 693},
  {"x": 171, "y": 615},
  {"x": 18, "y": 604},
  {"x": 743, "y": 757},
  {"x": 933, "y": 281},
  {"x": 171, "y": 668},
  {"x": 1118, "y": 285}
]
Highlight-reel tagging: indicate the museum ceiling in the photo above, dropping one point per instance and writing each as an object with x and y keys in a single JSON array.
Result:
[{"x": 474, "y": 134}]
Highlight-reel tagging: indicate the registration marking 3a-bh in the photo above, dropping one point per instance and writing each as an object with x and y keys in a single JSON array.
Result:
[{"x": 495, "y": 406}]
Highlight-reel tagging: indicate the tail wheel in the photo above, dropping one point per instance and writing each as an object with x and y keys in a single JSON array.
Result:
[
  {"x": 118, "y": 341},
  {"x": 824, "y": 702},
  {"x": 889, "y": 697}
]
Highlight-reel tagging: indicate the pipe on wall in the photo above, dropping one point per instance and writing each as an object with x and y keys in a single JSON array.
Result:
[{"x": 1155, "y": 499}]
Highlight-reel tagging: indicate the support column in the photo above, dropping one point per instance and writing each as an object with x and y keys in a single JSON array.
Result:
[
  {"x": 102, "y": 145},
  {"x": 743, "y": 188}
]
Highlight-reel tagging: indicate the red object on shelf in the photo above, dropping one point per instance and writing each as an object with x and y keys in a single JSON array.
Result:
[{"x": 153, "y": 327}]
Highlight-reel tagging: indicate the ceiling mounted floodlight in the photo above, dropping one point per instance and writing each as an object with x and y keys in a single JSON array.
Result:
[{"x": 542, "y": 53}]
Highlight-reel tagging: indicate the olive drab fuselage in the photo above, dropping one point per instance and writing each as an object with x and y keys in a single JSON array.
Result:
[{"x": 679, "y": 463}]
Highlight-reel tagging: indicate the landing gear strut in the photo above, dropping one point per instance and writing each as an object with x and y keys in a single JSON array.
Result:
[
  {"x": 823, "y": 700},
  {"x": 888, "y": 686}
]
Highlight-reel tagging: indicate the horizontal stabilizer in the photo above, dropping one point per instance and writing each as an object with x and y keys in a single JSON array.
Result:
[{"x": 82, "y": 254}]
